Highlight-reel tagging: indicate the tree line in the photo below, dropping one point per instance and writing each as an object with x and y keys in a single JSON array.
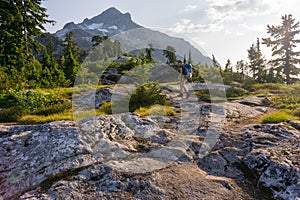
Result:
[{"x": 282, "y": 68}]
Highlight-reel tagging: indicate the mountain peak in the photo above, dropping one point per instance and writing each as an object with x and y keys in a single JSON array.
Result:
[
  {"x": 110, "y": 14},
  {"x": 109, "y": 22},
  {"x": 111, "y": 11}
]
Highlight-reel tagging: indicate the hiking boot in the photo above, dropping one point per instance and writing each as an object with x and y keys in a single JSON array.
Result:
[
  {"x": 188, "y": 95},
  {"x": 180, "y": 95}
]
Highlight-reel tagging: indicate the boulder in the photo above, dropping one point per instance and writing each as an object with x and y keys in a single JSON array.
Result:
[{"x": 252, "y": 101}]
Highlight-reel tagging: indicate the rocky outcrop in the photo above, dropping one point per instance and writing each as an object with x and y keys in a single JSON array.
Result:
[
  {"x": 254, "y": 101},
  {"x": 207, "y": 151},
  {"x": 275, "y": 158},
  {"x": 102, "y": 157},
  {"x": 265, "y": 155},
  {"x": 89, "y": 99}
]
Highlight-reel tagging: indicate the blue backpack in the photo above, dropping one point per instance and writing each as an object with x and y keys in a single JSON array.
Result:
[{"x": 187, "y": 70}]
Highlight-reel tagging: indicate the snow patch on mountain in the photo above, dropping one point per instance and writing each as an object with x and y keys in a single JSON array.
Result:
[
  {"x": 95, "y": 26},
  {"x": 113, "y": 27}
]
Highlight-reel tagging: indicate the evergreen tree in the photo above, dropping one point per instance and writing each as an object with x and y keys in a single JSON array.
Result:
[
  {"x": 252, "y": 61},
  {"x": 214, "y": 61},
  {"x": 3, "y": 79},
  {"x": 20, "y": 22},
  {"x": 260, "y": 61},
  {"x": 190, "y": 60},
  {"x": 143, "y": 57},
  {"x": 149, "y": 51},
  {"x": 108, "y": 48},
  {"x": 256, "y": 62},
  {"x": 52, "y": 75},
  {"x": 228, "y": 74},
  {"x": 283, "y": 43},
  {"x": 184, "y": 59},
  {"x": 97, "y": 39},
  {"x": 272, "y": 76},
  {"x": 169, "y": 53},
  {"x": 241, "y": 70},
  {"x": 228, "y": 66},
  {"x": 69, "y": 59}
]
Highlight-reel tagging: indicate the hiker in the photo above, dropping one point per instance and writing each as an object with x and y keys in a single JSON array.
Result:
[{"x": 185, "y": 73}]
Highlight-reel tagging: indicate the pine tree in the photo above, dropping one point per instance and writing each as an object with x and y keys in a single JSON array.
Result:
[
  {"x": 283, "y": 43},
  {"x": 143, "y": 57},
  {"x": 184, "y": 59},
  {"x": 228, "y": 74},
  {"x": 214, "y": 61},
  {"x": 169, "y": 53},
  {"x": 260, "y": 61},
  {"x": 241, "y": 70},
  {"x": 20, "y": 22},
  {"x": 257, "y": 62},
  {"x": 97, "y": 39},
  {"x": 52, "y": 75},
  {"x": 228, "y": 66},
  {"x": 149, "y": 51},
  {"x": 190, "y": 60},
  {"x": 69, "y": 58}
]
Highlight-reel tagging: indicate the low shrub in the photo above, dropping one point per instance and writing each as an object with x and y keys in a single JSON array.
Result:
[
  {"x": 16, "y": 104},
  {"x": 235, "y": 92},
  {"x": 277, "y": 117},
  {"x": 11, "y": 114},
  {"x": 271, "y": 87},
  {"x": 147, "y": 95},
  {"x": 296, "y": 112},
  {"x": 212, "y": 95},
  {"x": 113, "y": 77}
]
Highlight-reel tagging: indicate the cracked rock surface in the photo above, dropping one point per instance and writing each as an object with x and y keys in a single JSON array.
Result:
[{"x": 199, "y": 154}]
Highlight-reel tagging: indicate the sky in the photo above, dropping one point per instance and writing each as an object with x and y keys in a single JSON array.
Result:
[{"x": 225, "y": 28}]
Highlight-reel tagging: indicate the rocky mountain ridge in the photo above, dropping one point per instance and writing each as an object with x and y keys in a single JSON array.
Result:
[
  {"x": 133, "y": 37},
  {"x": 110, "y": 22}
]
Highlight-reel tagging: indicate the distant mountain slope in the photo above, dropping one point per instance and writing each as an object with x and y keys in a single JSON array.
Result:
[
  {"x": 141, "y": 37},
  {"x": 157, "y": 55},
  {"x": 132, "y": 36}
]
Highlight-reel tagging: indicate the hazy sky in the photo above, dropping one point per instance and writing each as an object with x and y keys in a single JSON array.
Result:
[{"x": 225, "y": 28}]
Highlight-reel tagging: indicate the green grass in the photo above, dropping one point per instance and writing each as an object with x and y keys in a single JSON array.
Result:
[
  {"x": 142, "y": 111},
  {"x": 104, "y": 109},
  {"x": 42, "y": 105},
  {"x": 277, "y": 117},
  {"x": 45, "y": 105},
  {"x": 39, "y": 119},
  {"x": 286, "y": 98},
  {"x": 156, "y": 110},
  {"x": 61, "y": 92}
]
